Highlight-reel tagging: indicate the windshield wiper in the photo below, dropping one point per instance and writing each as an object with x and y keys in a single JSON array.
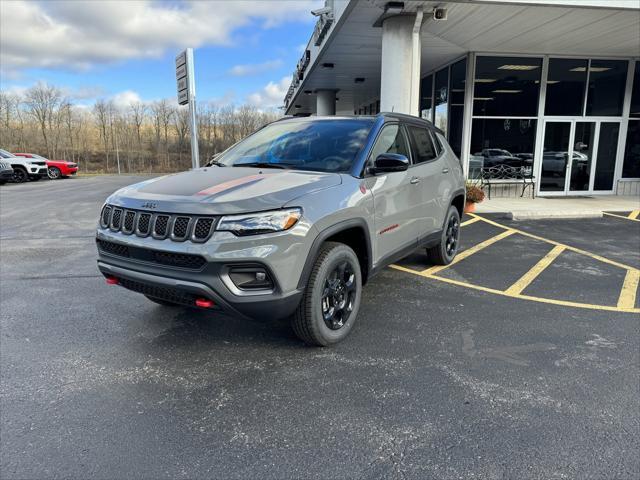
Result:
[{"x": 261, "y": 165}]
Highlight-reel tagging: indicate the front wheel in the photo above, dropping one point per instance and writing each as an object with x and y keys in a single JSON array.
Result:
[
  {"x": 446, "y": 250},
  {"x": 331, "y": 300},
  {"x": 54, "y": 173},
  {"x": 20, "y": 175}
]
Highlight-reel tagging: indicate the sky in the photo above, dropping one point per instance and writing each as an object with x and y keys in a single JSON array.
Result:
[{"x": 244, "y": 51}]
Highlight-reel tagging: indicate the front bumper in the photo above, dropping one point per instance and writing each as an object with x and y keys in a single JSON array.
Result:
[
  {"x": 38, "y": 171},
  {"x": 184, "y": 288}
]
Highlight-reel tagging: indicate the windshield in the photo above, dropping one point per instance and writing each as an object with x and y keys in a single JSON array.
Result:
[
  {"x": 317, "y": 145},
  {"x": 5, "y": 154}
]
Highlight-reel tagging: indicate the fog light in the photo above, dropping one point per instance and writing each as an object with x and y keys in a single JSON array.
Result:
[{"x": 251, "y": 278}]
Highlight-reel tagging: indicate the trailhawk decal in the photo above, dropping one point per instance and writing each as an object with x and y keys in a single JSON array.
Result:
[
  {"x": 223, "y": 187},
  {"x": 388, "y": 229}
]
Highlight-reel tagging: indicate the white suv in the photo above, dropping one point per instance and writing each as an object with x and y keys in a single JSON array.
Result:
[{"x": 25, "y": 168}]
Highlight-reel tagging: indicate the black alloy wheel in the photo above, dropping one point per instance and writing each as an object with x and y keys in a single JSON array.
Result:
[
  {"x": 452, "y": 235},
  {"x": 20, "y": 175},
  {"x": 339, "y": 295}
]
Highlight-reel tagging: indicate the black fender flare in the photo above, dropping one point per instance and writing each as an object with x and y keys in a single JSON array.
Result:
[{"x": 327, "y": 233}]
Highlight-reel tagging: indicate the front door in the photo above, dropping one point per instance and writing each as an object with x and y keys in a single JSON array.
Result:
[{"x": 578, "y": 157}]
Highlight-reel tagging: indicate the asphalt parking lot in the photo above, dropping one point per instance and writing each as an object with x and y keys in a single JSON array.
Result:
[{"x": 521, "y": 360}]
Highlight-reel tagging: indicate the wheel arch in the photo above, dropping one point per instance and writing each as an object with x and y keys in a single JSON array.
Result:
[
  {"x": 457, "y": 200},
  {"x": 353, "y": 233}
]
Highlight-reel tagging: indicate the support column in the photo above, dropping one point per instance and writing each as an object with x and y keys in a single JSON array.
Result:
[
  {"x": 325, "y": 102},
  {"x": 400, "y": 72}
]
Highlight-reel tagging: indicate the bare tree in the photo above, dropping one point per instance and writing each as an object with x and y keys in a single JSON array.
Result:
[
  {"x": 181, "y": 125},
  {"x": 101, "y": 113},
  {"x": 42, "y": 102}
]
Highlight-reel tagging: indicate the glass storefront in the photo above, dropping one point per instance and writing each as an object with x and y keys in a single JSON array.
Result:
[
  {"x": 426, "y": 98},
  {"x": 631, "y": 161},
  {"x": 456, "y": 106},
  {"x": 441, "y": 99},
  {"x": 566, "y": 86},
  {"x": 507, "y": 86},
  {"x": 497, "y": 142},
  {"x": 607, "y": 81}
]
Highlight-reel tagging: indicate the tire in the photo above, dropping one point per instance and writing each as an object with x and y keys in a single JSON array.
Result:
[
  {"x": 20, "y": 175},
  {"x": 54, "y": 173},
  {"x": 335, "y": 281},
  {"x": 445, "y": 251},
  {"x": 164, "y": 303},
  {"x": 2, "y": 182}
]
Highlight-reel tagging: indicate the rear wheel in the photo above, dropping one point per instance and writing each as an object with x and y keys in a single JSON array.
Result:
[
  {"x": 446, "y": 250},
  {"x": 331, "y": 300},
  {"x": 164, "y": 303},
  {"x": 20, "y": 175},
  {"x": 54, "y": 173}
]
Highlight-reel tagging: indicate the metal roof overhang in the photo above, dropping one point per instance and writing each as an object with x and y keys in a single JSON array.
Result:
[{"x": 490, "y": 26}]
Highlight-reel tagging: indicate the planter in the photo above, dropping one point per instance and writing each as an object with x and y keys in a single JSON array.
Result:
[{"x": 469, "y": 207}]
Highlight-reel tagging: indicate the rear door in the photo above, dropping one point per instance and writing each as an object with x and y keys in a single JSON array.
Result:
[
  {"x": 393, "y": 196},
  {"x": 429, "y": 169}
]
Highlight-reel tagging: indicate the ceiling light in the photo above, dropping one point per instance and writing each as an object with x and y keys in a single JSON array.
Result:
[
  {"x": 599, "y": 69},
  {"x": 551, "y": 82},
  {"x": 506, "y": 91},
  {"x": 518, "y": 67},
  {"x": 579, "y": 69},
  {"x": 485, "y": 80},
  {"x": 457, "y": 89},
  {"x": 481, "y": 99}
]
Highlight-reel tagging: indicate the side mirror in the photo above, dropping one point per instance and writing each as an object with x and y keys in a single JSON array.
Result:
[{"x": 390, "y": 162}]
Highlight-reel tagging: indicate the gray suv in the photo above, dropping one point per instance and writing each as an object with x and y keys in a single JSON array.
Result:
[{"x": 290, "y": 222}]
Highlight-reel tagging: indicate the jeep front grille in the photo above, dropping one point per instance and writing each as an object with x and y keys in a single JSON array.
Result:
[
  {"x": 179, "y": 228},
  {"x": 167, "y": 259}
]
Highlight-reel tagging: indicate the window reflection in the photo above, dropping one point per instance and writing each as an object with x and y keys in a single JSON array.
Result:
[
  {"x": 582, "y": 156},
  {"x": 554, "y": 156},
  {"x": 441, "y": 99},
  {"x": 566, "y": 86},
  {"x": 456, "y": 107},
  {"x": 607, "y": 81},
  {"x": 507, "y": 86},
  {"x": 497, "y": 142},
  {"x": 631, "y": 165},
  {"x": 607, "y": 149},
  {"x": 426, "y": 98}
]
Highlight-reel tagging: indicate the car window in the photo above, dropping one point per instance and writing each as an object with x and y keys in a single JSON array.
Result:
[
  {"x": 423, "y": 147},
  {"x": 390, "y": 140},
  {"x": 305, "y": 144}
]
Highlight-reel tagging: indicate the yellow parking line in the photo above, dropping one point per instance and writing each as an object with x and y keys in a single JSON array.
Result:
[
  {"x": 633, "y": 215},
  {"x": 469, "y": 222},
  {"x": 551, "y": 301},
  {"x": 629, "y": 287},
  {"x": 537, "y": 269},
  {"x": 470, "y": 251},
  {"x": 620, "y": 216},
  {"x": 553, "y": 242}
]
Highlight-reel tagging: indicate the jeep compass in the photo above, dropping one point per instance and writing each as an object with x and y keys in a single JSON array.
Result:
[{"x": 290, "y": 222}]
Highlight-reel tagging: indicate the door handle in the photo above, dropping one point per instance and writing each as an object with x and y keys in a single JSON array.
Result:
[
  {"x": 414, "y": 181},
  {"x": 445, "y": 170}
]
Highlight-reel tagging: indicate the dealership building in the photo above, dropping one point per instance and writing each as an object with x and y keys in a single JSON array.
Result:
[{"x": 546, "y": 86}]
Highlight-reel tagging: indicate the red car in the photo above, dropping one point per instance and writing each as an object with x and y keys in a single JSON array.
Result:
[{"x": 57, "y": 168}]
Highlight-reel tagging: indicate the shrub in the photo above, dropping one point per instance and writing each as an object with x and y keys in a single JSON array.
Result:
[{"x": 474, "y": 194}]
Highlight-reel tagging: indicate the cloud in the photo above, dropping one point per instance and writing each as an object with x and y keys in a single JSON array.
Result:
[
  {"x": 272, "y": 95},
  {"x": 124, "y": 99},
  {"x": 76, "y": 35},
  {"x": 254, "y": 68}
]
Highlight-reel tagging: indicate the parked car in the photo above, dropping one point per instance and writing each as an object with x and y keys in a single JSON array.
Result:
[
  {"x": 290, "y": 222},
  {"x": 498, "y": 156},
  {"x": 25, "y": 168},
  {"x": 57, "y": 168},
  {"x": 6, "y": 172}
]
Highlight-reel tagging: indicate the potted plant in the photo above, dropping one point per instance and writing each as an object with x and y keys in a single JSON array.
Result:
[{"x": 474, "y": 195}]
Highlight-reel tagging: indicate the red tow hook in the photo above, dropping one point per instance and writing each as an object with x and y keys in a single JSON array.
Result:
[
  {"x": 112, "y": 281},
  {"x": 204, "y": 303}
]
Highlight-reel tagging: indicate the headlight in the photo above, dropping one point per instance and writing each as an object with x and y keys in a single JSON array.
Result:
[{"x": 257, "y": 223}]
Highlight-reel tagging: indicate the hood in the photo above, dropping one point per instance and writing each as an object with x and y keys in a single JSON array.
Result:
[{"x": 223, "y": 191}]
